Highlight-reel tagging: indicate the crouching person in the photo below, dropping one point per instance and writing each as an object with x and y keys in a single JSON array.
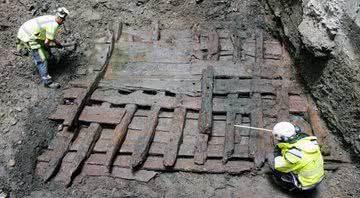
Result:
[
  {"x": 298, "y": 163},
  {"x": 37, "y": 36}
]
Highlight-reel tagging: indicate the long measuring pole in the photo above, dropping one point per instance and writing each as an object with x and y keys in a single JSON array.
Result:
[{"x": 248, "y": 127}]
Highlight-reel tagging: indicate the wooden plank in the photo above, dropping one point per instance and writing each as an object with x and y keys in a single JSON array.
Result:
[
  {"x": 62, "y": 145},
  {"x": 119, "y": 135},
  {"x": 144, "y": 99},
  {"x": 196, "y": 45},
  {"x": 241, "y": 149},
  {"x": 100, "y": 114},
  {"x": 117, "y": 28},
  {"x": 297, "y": 104},
  {"x": 236, "y": 42},
  {"x": 222, "y": 68},
  {"x": 282, "y": 101},
  {"x": 177, "y": 86},
  {"x": 139, "y": 123},
  {"x": 229, "y": 143},
  {"x": 155, "y": 30},
  {"x": 192, "y": 87},
  {"x": 201, "y": 147},
  {"x": 153, "y": 52},
  {"x": 143, "y": 143},
  {"x": 172, "y": 148},
  {"x": 319, "y": 128},
  {"x": 62, "y": 113},
  {"x": 73, "y": 93},
  {"x": 256, "y": 142},
  {"x": 85, "y": 149},
  {"x": 213, "y": 45},
  {"x": 207, "y": 86},
  {"x": 155, "y": 163}
]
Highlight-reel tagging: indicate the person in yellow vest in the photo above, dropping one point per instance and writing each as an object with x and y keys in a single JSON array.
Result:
[
  {"x": 37, "y": 36},
  {"x": 298, "y": 163}
]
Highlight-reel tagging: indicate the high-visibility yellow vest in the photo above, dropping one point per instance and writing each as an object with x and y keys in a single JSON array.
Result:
[
  {"x": 38, "y": 28},
  {"x": 303, "y": 158}
]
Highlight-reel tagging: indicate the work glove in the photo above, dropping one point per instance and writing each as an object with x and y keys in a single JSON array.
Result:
[
  {"x": 58, "y": 45},
  {"x": 277, "y": 151}
]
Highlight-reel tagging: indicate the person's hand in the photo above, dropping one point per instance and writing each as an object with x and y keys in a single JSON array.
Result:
[
  {"x": 277, "y": 151},
  {"x": 58, "y": 45}
]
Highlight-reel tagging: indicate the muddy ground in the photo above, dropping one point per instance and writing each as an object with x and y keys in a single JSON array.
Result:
[{"x": 25, "y": 104}]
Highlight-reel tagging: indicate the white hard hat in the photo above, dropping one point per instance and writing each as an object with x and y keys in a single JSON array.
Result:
[
  {"x": 62, "y": 12},
  {"x": 283, "y": 131}
]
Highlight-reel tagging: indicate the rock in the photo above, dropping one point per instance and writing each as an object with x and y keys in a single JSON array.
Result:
[
  {"x": 27, "y": 95},
  {"x": 11, "y": 163},
  {"x": 60, "y": 127},
  {"x": 6, "y": 130},
  {"x": 19, "y": 109},
  {"x": 13, "y": 122},
  {"x": 315, "y": 38}
]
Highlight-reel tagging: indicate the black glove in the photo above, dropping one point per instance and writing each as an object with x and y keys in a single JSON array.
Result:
[
  {"x": 58, "y": 45},
  {"x": 277, "y": 151}
]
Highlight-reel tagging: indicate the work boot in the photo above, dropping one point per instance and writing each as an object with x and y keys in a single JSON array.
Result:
[{"x": 53, "y": 85}]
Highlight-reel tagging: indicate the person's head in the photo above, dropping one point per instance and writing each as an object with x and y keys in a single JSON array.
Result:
[
  {"x": 61, "y": 14},
  {"x": 285, "y": 131}
]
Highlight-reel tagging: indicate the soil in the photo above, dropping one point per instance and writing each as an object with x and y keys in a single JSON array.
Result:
[{"x": 25, "y": 104}]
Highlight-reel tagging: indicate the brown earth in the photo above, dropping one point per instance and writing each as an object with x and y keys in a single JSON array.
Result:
[{"x": 25, "y": 104}]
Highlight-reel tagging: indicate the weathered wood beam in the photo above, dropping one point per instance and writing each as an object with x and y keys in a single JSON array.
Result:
[
  {"x": 201, "y": 146},
  {"x": 236, "y": 42},
  {"x": 257, "y": 142},
  {"x": 84, "y": 151},
  {"x": 282, "y": 101},
  {"x": 229, "y": 143},
  {"x": 102, "y": 114},
  {"x": 172, "y": 148},
  {"x": 207, "y": 87},
  {"x": 62, "y": 145},
  {"x": 143, "y": 143},
  {"x": 319, "y": 129},
  {"x": 155, "y": 30},
  {"x": 119, "y": 135},
  {"x": 196, "y": 52},
  {"x": 192, "y": 87},
  {"x": 213, "y": 45}
]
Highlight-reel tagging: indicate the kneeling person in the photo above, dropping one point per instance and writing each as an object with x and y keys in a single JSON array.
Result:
[{"x": 298, "y": 163}]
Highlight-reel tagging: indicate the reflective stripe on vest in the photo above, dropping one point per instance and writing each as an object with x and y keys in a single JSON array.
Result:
[
  {"x": 296, "y": 152},
  {"x": 305, "y": 173}
]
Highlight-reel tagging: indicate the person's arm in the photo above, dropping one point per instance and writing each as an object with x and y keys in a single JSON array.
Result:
[
  {"x": 50, "y": 36},
  {"x": 50, "y": 43},
  {"x": 289, "y": 161}
]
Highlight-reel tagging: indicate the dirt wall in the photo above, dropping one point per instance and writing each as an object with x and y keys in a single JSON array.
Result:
[{"x": 323, "y": 36}]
